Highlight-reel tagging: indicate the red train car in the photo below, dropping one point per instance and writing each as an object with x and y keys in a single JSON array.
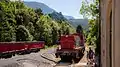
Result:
[
  {"x": 35, "y": 46},
  {"x": 9, "y": 49},
  {"x": 71, "y": 47}
]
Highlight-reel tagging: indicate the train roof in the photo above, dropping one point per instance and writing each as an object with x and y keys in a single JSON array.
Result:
[{"x": 22, "y": 42}]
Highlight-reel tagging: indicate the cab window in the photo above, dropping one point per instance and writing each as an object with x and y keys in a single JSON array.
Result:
[{"x": 77, "y": 41}]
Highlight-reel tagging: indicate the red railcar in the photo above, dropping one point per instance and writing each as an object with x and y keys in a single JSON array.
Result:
[
  {"x": 71, "y": 47},
  {"x": 35, "y": 46},
  {"x": 7, "y": 49}
]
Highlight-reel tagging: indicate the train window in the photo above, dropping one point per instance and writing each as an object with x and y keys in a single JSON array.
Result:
[{"x": 77, "y": 41}]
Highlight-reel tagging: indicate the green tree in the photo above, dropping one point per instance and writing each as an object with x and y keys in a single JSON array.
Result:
[
  {"x": 22, "y": 34},
  {"x": 54, "y": 35},
  {"x": 21, "y": 23},
  {"x": 39, "y": 12},
  {"x": 79, "y": 29},
  {"x": 90, "y": 10}
]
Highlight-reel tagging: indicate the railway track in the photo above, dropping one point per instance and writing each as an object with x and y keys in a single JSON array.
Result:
[
  {"x": 46, "y": 62},
  {"x": 61, "y": 63},
  {"x": 41, "y": 59},
  {"x": 33, "y": 63},
  {"x": 57, "y": 63}
]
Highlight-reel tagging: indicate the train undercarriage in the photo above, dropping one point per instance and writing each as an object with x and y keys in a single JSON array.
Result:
[{"x": 70, "y": 55}]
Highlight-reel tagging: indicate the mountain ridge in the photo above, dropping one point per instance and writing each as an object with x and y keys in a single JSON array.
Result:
[
  {"x": 45, "y": 9},
  {"x": 82, "y": 22},
  {"x": 57, "y": 15},
  {"x": 36, "y": 5},
  {"x": 69, "y": 17}
]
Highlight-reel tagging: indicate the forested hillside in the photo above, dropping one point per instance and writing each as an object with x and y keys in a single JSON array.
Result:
[
  {"x": 21, "y": 23},
  {"x": 45, "y": 9},
  {"x": 35, "y": 5},
  {"x": 82, "y": 22}
]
